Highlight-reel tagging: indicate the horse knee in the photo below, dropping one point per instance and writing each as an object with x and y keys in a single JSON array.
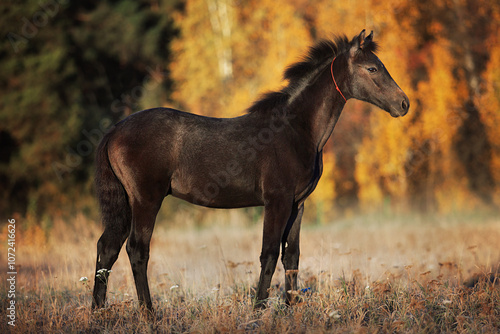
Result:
[
  {"x": 268, "y": 261},
  {"x": 269, "y": 254},
  {"x": 290, "y": 258}
]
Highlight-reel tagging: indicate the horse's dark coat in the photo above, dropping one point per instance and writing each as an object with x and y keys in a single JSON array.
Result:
[{"x": 271, "y": 156}]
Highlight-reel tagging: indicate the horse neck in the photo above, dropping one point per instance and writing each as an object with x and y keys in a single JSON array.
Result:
[{"x": 317, "y": 110}]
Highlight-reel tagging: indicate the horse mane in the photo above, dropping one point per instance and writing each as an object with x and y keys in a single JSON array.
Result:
[{"x": 318, "y": 56}]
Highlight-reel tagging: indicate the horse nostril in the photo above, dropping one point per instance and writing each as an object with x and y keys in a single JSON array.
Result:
[{"x": 405, "y": 105}]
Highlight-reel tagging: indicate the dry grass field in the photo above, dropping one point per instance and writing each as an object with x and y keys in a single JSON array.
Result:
[{"x": 360, "y": 275}]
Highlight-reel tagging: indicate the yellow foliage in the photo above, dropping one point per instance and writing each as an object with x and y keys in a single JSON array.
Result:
[
  {"x": 281, "y": 42},
  {"x": 441, "y": 98},
  {"x": 380, "y": 160},
  {"x": 490, "y": 107},
  {"x": 263, "y": 38},
  {"x": 227, "y": 55},
  {"x": 324, "y": 194},
  {"x": 32, "y": 236}
]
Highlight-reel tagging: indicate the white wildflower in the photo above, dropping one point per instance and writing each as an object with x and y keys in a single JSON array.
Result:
[{"x": 334, "y": 314}]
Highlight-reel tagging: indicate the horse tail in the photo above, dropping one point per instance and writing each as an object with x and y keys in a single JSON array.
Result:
[
  {"x": 116, "y": 213},
  {"x": 116, "y": 217}
]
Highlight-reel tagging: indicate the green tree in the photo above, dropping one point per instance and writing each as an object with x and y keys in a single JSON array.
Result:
[{"x": 68, "y": 70}]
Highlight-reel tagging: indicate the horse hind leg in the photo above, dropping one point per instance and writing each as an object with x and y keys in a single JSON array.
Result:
[
  {"x": 108, "y": 248},
  {"x": 138, "y": 246},
  {"x": 116, "y": 217}
]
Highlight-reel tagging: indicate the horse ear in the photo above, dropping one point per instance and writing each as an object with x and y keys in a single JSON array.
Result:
[
  {"x": 356, "y": 43},
  {"x": 369, "y": 38}
]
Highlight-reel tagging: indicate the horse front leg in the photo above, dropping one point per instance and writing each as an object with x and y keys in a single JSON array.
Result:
[
  {"x": 276, "y": 215},
  {"x": 291, "y": 252}
]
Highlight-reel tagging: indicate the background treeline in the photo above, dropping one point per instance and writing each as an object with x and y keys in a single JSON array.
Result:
[{"x": 69, "y": 69}]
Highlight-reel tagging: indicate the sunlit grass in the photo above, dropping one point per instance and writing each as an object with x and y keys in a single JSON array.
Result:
[{"x": 364, "y": 274}]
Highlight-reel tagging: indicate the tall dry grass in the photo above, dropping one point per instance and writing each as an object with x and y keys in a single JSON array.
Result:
[{"x": 365, "y": 274}]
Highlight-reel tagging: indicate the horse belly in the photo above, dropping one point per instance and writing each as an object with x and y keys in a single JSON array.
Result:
[{"x": 216, "y": 189}]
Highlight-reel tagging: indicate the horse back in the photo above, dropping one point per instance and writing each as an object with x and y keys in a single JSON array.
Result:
[{"x": 214, "y": 162}]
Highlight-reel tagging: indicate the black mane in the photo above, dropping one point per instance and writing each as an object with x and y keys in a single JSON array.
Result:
[
  {"x": 323, "y": 51},
  {"x": 319, "y": 55}
]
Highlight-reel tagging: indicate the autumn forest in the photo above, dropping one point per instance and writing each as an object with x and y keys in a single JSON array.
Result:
[{"x": 69, "y": 70}]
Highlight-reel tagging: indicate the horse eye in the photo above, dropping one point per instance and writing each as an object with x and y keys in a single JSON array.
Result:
[{"x": 372, "y": 69}]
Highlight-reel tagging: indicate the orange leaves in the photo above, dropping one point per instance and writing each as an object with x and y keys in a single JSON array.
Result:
[
  {"x": 402, "y": 159},
  {"x": 324, "y": 194},
  {"x": 228, "y": 54},
  {"x": 490, "y": 106}
]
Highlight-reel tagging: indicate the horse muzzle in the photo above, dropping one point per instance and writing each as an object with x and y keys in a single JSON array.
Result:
[{"x": 400, "y": 108}]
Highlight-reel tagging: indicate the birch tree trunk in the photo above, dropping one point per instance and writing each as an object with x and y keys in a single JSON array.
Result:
[{"x": 221, "y": 22}]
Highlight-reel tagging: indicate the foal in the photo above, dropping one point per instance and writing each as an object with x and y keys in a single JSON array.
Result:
[{"x": 271, "y": 157}]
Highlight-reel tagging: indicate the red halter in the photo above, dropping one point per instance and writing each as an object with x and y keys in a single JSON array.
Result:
[{"x": 335, "y": 82}]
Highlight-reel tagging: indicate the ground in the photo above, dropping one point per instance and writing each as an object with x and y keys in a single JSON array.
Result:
[{"x": 365, "y": 274}]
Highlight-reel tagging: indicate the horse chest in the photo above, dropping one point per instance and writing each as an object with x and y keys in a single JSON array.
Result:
[{"x": 311, "y": 180}]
